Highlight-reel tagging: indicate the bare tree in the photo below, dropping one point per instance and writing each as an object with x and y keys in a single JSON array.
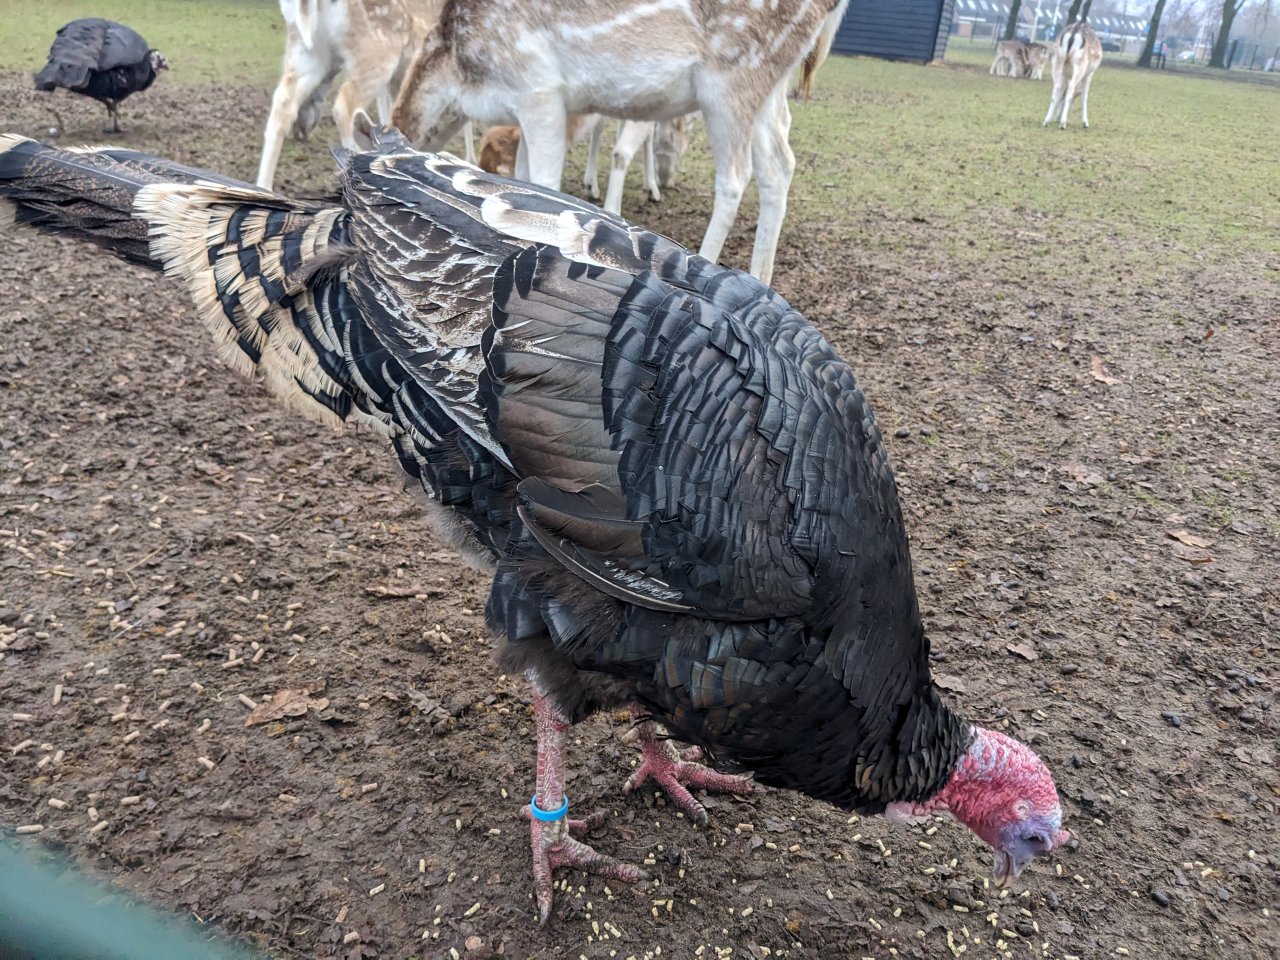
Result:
[
  {"x": 1153, "y": 28},
  {"x": 1079, "y": 10},
  {"x": 1222, "y": 42},
  {"x": 1011, "y": 27}
]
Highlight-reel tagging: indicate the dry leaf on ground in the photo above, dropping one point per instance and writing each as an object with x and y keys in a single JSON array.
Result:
[
  {"x": 1100, "y": 372},
  {"x": 291, "y": 702}
]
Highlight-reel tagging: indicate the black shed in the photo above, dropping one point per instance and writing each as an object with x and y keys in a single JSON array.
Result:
[{"x": 895, "y": 29}]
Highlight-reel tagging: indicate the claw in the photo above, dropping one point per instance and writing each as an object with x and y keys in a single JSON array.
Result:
[
  {"x": 665, "y": 766},
  {"x": 555, "y": 845}
]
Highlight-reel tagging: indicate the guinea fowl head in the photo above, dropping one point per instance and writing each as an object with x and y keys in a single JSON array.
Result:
[
  {"x": 158, "y": 61},
  {"x": 1005, "y": 794}
]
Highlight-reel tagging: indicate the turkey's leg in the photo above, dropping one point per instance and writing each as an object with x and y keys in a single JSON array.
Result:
[
  {"x": 115, "y": 118},
  {"x": 554, "y": 842},
  {"x": 661, "y": 762}
]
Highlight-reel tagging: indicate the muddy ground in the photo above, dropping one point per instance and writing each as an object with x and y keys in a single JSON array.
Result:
[{"x": 1095, "y": 543}]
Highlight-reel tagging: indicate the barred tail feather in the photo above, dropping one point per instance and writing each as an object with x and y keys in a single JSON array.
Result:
[{"x": 247, "y": 258}]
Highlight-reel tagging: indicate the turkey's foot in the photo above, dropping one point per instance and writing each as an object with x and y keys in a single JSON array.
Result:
[
  {"x": 555, "y": 844},
  {"x": 676, "y": 773}
]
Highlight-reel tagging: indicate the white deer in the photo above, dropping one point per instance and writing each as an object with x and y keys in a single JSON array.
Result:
[
  {"x": 1076, "y": 55},
  {"x": 371, "y": 41},
  {"x": 533, "y": 64}
]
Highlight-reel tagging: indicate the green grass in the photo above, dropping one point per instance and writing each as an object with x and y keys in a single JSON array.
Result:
[
  {"x": 206, "y": 41},
  {"x": 1189, "y": 159}
]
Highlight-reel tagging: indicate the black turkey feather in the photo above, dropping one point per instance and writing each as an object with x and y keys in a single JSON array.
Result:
[{"x": 679, "y": 485}]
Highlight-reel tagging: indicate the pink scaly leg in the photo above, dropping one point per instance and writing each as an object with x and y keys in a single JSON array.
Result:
[
  {"x": 555, "y": 843},
  {"x": 664, "y": 764}
]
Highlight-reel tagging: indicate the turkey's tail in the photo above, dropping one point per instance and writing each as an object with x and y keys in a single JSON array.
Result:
[
  {"x": 60, "y": 73},
  {"x": 88, "y": 192},
  {"x": 256, "y": 264}
]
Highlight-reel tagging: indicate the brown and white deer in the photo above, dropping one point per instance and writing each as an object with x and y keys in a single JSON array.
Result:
[
  {"x": 1009, "y": 59},
  {"x": 370, "y": 41},
  {"x": 1076, "y": 55},
  {"x": 1034, "y": 56},
  {"x": 534, "y": 63}
]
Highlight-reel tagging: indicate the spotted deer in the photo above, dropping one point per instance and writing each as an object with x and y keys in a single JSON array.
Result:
[
  {"x": 1034, "y": 56},
  {"x": 370, "y": 41},
  {"x": 1009, "y": 59},
  {"x": 533, "y": 63},
  {"x": 1076, "y": 55}
]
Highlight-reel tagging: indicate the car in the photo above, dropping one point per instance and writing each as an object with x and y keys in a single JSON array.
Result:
[{"x": 1110, "y": 46}]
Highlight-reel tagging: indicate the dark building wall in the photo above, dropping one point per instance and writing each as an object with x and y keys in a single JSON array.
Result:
[{"x": 895, "y": 29}]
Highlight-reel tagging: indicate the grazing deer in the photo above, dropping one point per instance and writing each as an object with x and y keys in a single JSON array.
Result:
[
  {"x": 1010, "y": 59},
  {"x": 1076, "y": 55},
  {"x": 1033, "y": 58},
  {"x": 533, "y": 64},
  {"x": 371, "y": 40},
  {"x": 664, "y": 143}
]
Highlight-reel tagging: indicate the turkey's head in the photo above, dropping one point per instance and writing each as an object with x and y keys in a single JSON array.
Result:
[
  {"x": 1005, "y": 794},
  {"x": 158, "y": 61}
]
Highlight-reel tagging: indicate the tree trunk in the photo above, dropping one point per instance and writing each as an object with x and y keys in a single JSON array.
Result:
[
  {"x": 1011, "y": 28},
  {"x": 1144, "y": 58},
  {"x": 1223, "y": 41},
  {"x": 1074, "y": 13},
  {"x": 1084, "y": 11}
]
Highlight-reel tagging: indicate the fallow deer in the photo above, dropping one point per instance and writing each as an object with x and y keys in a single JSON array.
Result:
[
  {"x": 1009, "y": 59},
  {"x": 1076, "y": 55},
  {"x": 1034, "y": 56},
  {"x": 372, "y": 41},
  {"x": 533, "y": 64},
  {"x": 664, "y": 143}
]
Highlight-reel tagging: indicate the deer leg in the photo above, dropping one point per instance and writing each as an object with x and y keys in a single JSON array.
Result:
[
  {"x": 651, "y": 166},
  {"x": 730, "y": 137},
  {"x": 522, "y": 159},
  {"x": 631, "y": 136},
  {"x": 1073, "y": 90},
  {"x": 774, "y": 164},
  {"x": 1055, "y": 96},
  {"x": 468, "y": 143},
  {"x": 303, "y": 72},
  {"x": 309, "y": 112},
  {"x": 383, "y": 102},
  {"x": 591, "y": 176},
  {"x": 1084, "y": 99},
  {"x": 542, "y": 137}
]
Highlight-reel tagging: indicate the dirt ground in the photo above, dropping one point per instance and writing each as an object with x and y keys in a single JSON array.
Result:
[{"x": 1089, "y": 469}]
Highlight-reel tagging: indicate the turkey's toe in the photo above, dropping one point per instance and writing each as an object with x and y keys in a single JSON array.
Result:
[
  {"x": 675, "y": 777},
  {"x": 554, "y": 846}
]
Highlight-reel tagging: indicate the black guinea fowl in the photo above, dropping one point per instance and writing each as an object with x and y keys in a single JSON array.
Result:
[
  {"x": 103, "y": 60},
  {"x": 678, "y": 484}
]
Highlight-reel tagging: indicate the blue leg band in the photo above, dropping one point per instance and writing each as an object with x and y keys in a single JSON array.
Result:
[{"x": 548, "y": 816}]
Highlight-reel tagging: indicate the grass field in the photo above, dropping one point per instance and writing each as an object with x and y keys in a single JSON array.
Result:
[{"x": 1070, "y": 341}]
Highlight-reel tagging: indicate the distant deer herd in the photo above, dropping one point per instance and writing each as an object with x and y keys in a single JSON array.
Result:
[{"x": 543, "y": 75}]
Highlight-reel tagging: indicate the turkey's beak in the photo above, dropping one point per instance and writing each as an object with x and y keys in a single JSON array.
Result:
[{"x": 1004, "y": 867}]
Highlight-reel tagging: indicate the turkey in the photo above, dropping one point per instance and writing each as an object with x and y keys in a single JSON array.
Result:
[
  {"x": 101, "y": 59},
  {"x": 679, "y": 486}
]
